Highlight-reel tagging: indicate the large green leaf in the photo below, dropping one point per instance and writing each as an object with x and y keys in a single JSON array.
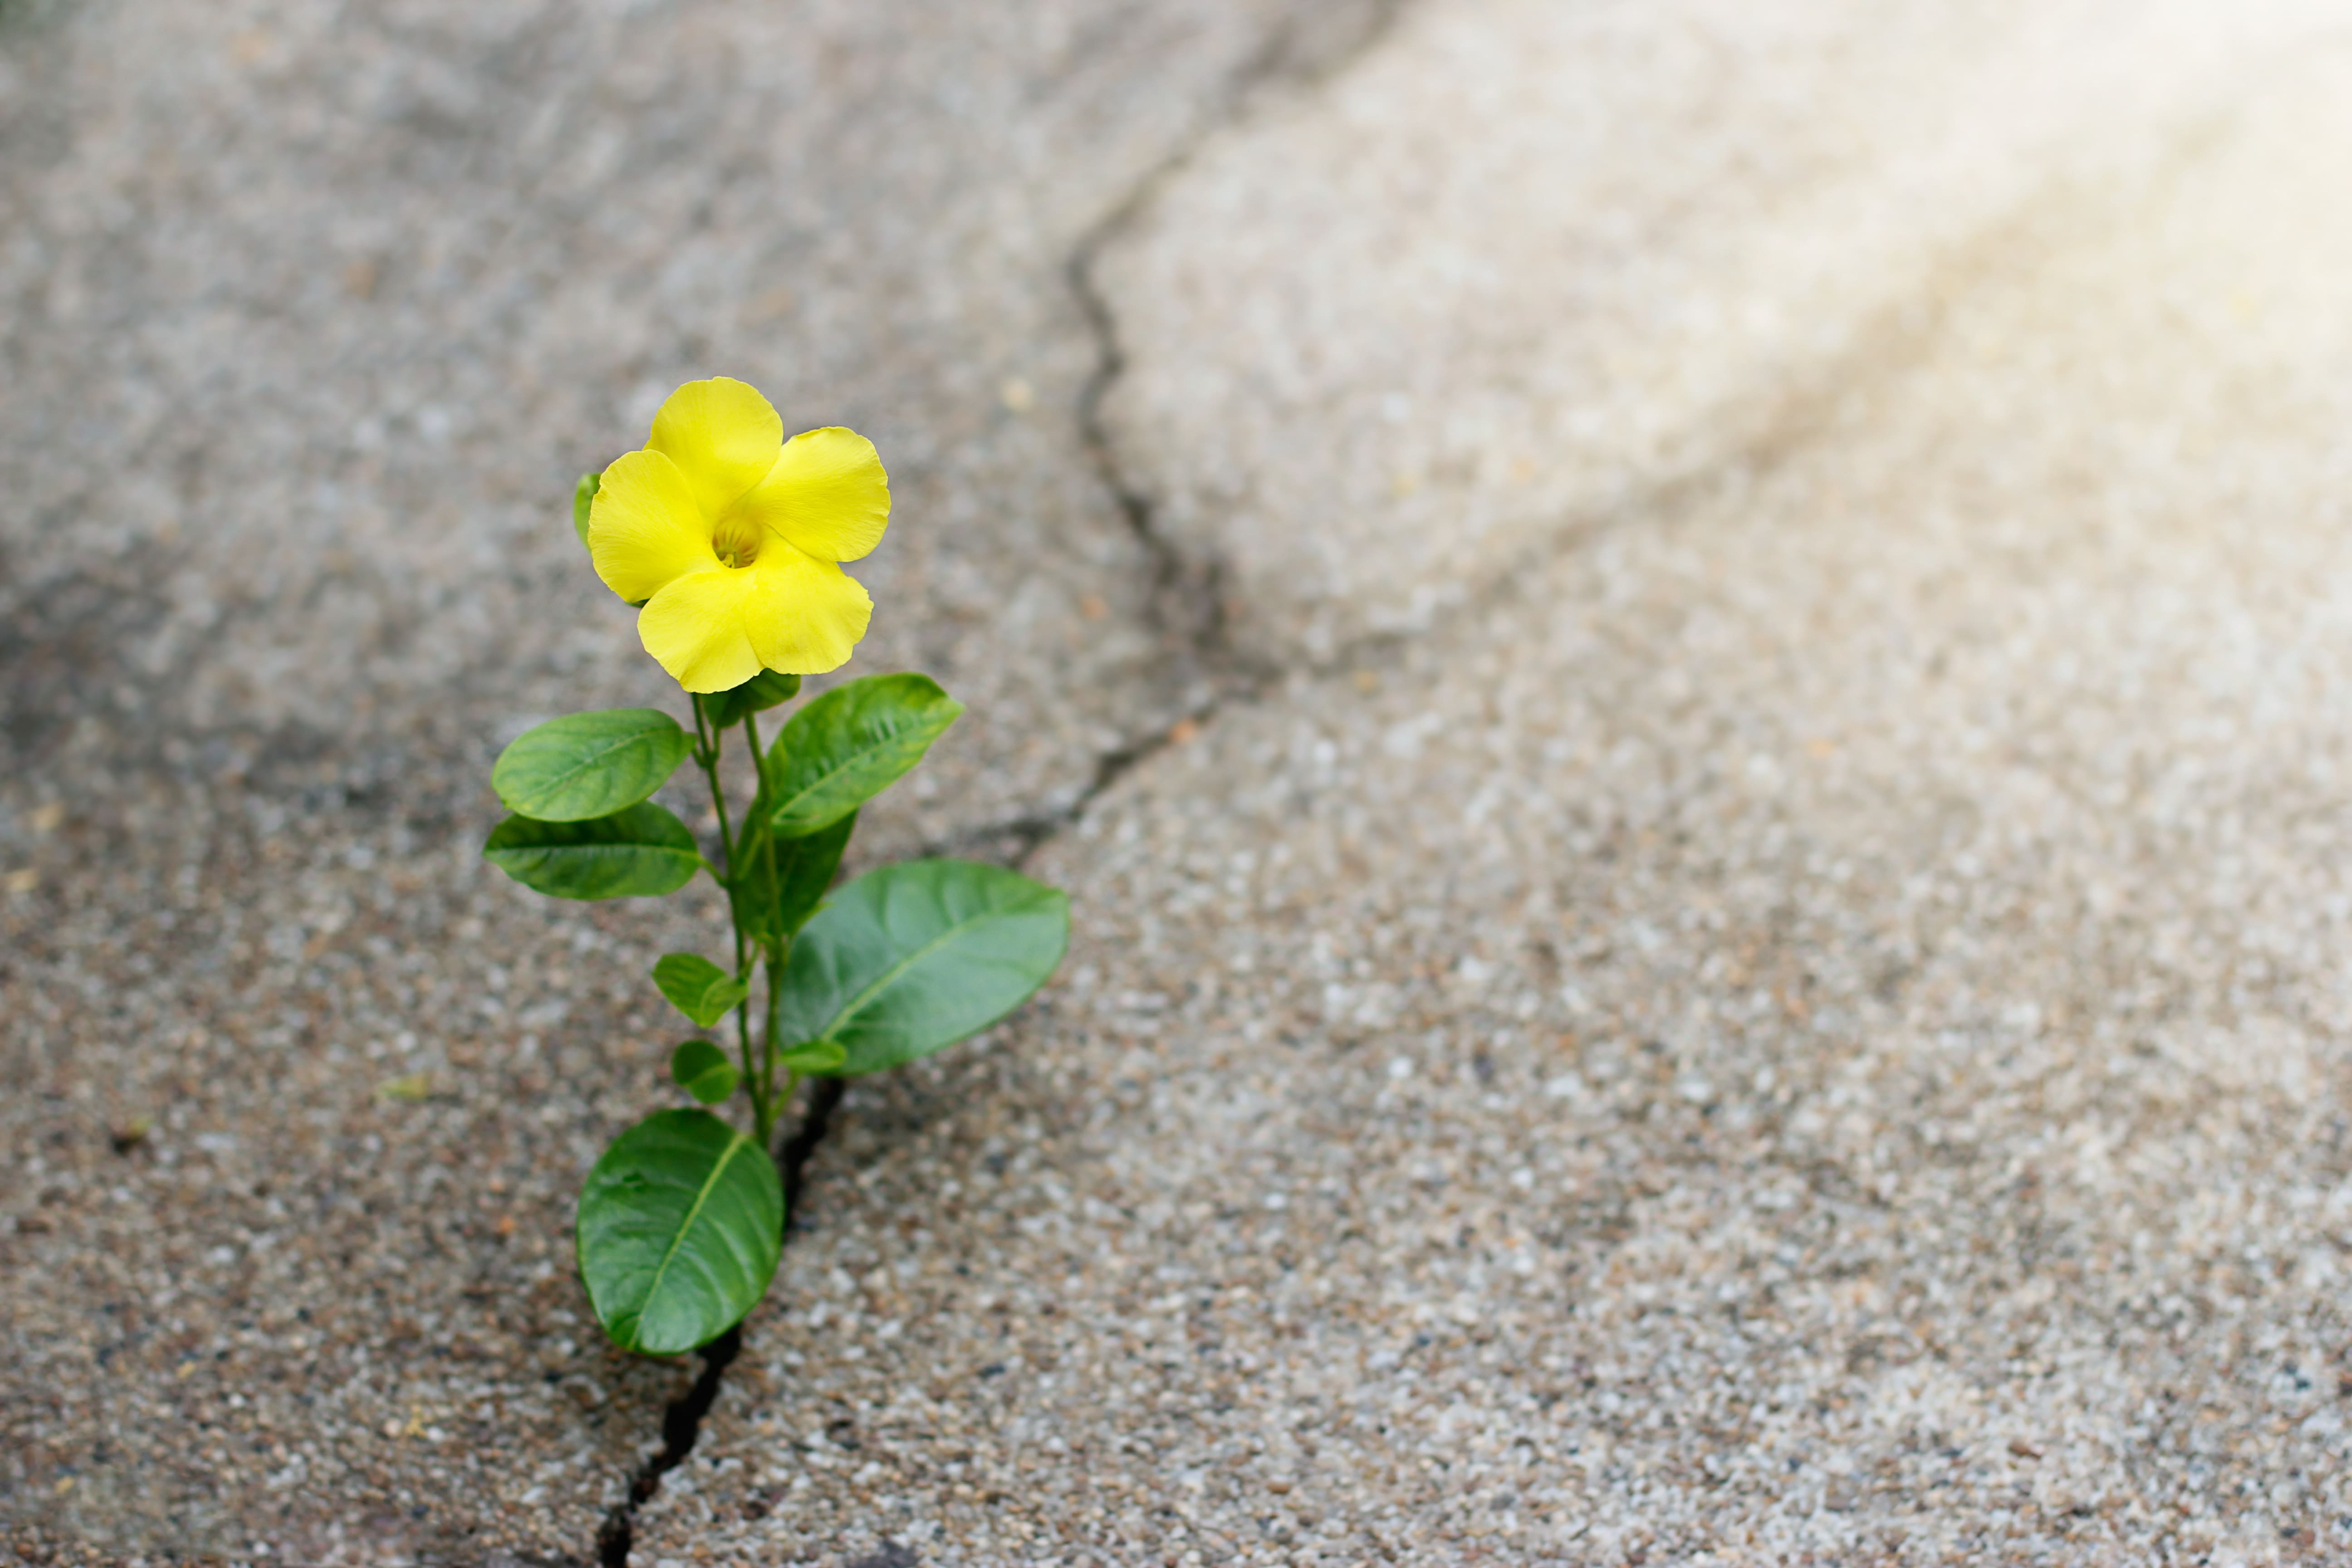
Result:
[
  {"x": 851, "y": 744},
  {"x": 681, "y": 1225},
  {"x": 588, "y": 764},
  {"x": 909, "y": 959},
  {"x": 698, "y": 987},
  {"x": 757, "y": 695},
  {"x": 780, "y": 904},
  {"x": 642, "y": 851}
]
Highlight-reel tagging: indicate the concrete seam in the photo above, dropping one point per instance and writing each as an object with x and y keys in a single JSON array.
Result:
[
  {"x": 1187, "y": 603},
  {"x": 682, "y": 1418}
]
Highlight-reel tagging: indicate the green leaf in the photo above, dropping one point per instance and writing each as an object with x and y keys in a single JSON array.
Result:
[
  {"x": 851, "y": 744},
  {"x": 698, "y": 987},
  {"x": 583, "y": 497},
  {"x": 818, "y": 1059},
  {"x": 681, "y": 1225},
  {"x": 639, "y": 852},
  {"x": 703, "y": 1070},
  {"x": 909, "y": 959},
  {"x": 777, "y": 907},
  {"x": 750, "y": 890},
  {"x": 804, "y": 869},
  {"x": 757, "y": 695},
  {"x": 588, "y": 764}
]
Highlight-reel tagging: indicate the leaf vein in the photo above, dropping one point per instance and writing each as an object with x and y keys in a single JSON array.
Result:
[
  {"x": 881, "y": 982},
  {"x": 701, "y": 1197}
]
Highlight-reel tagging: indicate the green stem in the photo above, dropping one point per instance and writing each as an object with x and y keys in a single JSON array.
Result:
[
  {"x": 760, "y": 804},
  {"x": 759, "y": 757},
  {"x": 768, "y": 1096},
  {"x": 707, "y": 744},
  {"x": 776, "y": 945},
  {"x": 761, "y": 1114}
]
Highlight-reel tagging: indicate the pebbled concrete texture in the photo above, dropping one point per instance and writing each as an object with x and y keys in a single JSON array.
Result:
[
  {"x": 1739, "y": 963},
  {"x": 1801, "y": 1020},
  {"x": 311, "y": 316}
]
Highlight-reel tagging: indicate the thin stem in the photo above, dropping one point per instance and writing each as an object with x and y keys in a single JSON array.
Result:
[
  {"x": 709, "y": 755},
  {"x": 776, "y": 1100},
  {"x": 759, "y": 757},
  {"x": 776, "y": 944},
  {"x": 768, "y": 840},
  {"x": 707, "y": 745},
  {"x": 761, "y": 1114},
  {"x": 759, "y": 803}
]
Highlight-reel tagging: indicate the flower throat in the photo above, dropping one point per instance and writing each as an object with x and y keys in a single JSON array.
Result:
[{"x": 736, "y": 541}]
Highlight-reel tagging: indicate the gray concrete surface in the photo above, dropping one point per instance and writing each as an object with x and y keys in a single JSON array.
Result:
[
  {"x": 1529, "y": 263},
  {"x": 310, "y": 317},
  {"x": 1804, "y": 1024},
  {"x": 1746, "y": 971}
]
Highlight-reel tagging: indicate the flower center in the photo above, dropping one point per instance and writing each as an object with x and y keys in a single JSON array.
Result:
[{"x": 737, "y": 541}]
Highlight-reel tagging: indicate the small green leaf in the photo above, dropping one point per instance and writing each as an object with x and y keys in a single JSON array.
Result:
[
  {"x": 698, "y": 987},
  {"x": 851, "y": 744},
  {"x": 780, "y": 905},
  {"x": 703, "y": 1070},
  {"x": 681, "y": 1223},
  {"x": 583, "y": 497},
  {"x": 818, "y": 1059},
  {"x": 640, "y": 852},
  {"x": 757, "y": 695},
  {"x": 909, "y": 959},
  {"x": 588, "y": 764}
]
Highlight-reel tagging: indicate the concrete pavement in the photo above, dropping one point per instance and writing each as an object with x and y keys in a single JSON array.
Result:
[
  {"x": 1741, "y": 965},
  {"x": 312, "y": 315},
  {"x": 1789, "y": 1008}
]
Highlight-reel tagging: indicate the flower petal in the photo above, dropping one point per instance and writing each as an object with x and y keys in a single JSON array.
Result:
[
  {"x": 808, "y": 614},
  {"x": 697, "y": 630},
  {"x": 722, "y": 435},
  {"x": 644, "y": 528},
  {"x": 826, "y": 493}
]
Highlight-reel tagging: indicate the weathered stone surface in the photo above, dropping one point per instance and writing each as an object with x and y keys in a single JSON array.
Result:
[
  {"x": 1805, "y": 1026},
  {"x": 1530, "y": 264},
  {"x": 309, "y": 317},
  {"x": 1765, "y": 990}
]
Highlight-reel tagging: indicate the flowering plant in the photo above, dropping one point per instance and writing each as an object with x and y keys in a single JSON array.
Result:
[{"x": 728, "y": 539}]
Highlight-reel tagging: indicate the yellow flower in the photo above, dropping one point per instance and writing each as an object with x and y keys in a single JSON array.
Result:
[{"x": 732, "y": 537}]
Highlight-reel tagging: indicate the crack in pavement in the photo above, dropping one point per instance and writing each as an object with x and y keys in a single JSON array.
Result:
[
  {"x": 682, "y": 1420},
  {"x": 1188, "y": 603},
  {"x": 1187, "y": 606}
]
